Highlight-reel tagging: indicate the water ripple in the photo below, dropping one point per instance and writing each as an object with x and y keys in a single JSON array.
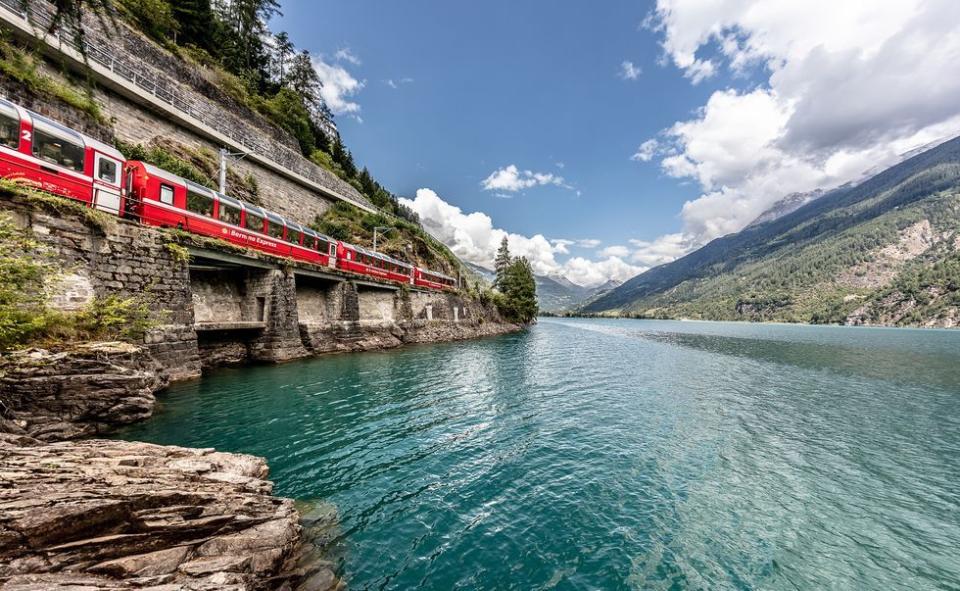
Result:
[{"x": 590, "y": 454}]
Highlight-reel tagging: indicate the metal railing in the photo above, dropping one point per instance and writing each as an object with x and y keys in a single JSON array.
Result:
[{"x": 183, "y": 99}]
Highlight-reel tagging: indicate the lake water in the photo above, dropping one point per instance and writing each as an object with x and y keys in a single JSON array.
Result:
[{"x": 614, "y": 454}]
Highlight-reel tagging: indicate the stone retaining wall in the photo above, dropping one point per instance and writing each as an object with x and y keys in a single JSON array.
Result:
[
  {"x": 102, "y": 256},
  {"x": 237, "y": 313}
]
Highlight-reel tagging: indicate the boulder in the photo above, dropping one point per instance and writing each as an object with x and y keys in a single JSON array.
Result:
[{"x": 99, "y": 514}]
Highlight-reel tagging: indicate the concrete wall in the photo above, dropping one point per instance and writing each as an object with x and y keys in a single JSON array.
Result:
[
  {"x": 316, "y": 302},
  {"x": 217, "y": 297},
  {"x": 377, "y": 306}
]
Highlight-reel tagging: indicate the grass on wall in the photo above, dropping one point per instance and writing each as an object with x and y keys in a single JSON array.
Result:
[
  {"x": 29, "y": 272},
  {"x": 24, "y": 66}
]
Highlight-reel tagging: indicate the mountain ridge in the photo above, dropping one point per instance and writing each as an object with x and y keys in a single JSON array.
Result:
[{"x": 755, "y": 273}]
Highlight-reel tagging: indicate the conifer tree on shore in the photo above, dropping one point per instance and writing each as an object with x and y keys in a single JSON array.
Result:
[{"x": 501, "y": 263}]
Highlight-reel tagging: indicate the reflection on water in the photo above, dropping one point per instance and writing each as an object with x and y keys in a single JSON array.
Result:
[
  {"x": 908, "y": 366},
  {"x": 590, "y": 454}
]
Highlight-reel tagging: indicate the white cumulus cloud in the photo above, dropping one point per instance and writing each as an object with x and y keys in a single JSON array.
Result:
[
  {"x": 615, "y": 251},
  {"x": 848, "y": 86},
  {"x": 345, "y": 55},
  {"x": 511, "y": 178},
  {"x": 646, "y": 151},
  {"x": 339, "y": 87},
  {"x": 629, "y": 71},
  {"x": 662, "y": 250},
  {"x": 593, "y": 273},
  {"x": 473, "y": 238}
]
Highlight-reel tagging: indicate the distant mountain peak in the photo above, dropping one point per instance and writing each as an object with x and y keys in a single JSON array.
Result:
[{"x": 795, "y": 201}]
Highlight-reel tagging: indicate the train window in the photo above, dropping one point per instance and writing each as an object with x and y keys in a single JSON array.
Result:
[
  {"x": 254, "y": 222},
  {"x": 333, "y": 250},
  {"x": 229, "y": 214},
  {"x": 321, "y": 245},
  {"x": 107, "y": 170},
  {"x": 294, "y": 236},
  {"x": 166, "y": 194},
  {"x": 9, "y": 126},
  {"x": 57, "y": 150},
  {"x": 200, "y": 203},
  {"x": 275, "y": 229}
]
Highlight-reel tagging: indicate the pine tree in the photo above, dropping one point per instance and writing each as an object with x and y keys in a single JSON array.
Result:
[
  {"x": 519, "y": 290},
  {"x": 501, "y": 263},
  {"x": 195, "y": 19},
  {"x": 303, "y": 79},
  {"x": 342, "y": 156},
  {"x": 283, "y": 47}
]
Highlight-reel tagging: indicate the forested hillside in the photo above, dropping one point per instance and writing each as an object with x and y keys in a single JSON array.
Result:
[
  {"x": 263, "y": 72},
  {"x": 886, "y": 251}
]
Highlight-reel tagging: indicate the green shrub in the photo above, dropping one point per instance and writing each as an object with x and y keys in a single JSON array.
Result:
[
  {"x": 24, "y": 267},
  {"x": 114, "y": 317},
  {"x": 178, "y": 253}
]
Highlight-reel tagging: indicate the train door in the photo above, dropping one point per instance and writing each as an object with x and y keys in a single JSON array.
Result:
[
  {"x": 332, "y": 260},
  {"x": 106, "y": 184}
]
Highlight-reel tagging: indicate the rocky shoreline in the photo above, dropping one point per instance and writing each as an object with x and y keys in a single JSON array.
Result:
[
  {"x": 98, "y": 514},
  {"x": 83, "y": 514},
  {"x": 86, "y": 390}
]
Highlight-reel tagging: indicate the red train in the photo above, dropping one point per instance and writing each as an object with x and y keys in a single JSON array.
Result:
[{"x": 44, "y": 154}]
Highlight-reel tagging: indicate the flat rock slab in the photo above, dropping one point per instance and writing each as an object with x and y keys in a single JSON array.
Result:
[{"x": 101, "y": 514}]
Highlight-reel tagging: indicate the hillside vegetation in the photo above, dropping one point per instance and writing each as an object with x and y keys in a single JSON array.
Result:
[
  {"x": 396, "y": 237},
  {"x": 886, "y": 251},
  {"x": 264, "y": 72}
]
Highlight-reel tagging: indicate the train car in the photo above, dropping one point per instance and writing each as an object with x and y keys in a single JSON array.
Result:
[
  {"x": 356, "y": 259},
  {"x": 45, "y": 155},
  {"x": 48, "y": 156},
  {"x": 433, "y": 280},
  {"x": 156, "y": 197}
]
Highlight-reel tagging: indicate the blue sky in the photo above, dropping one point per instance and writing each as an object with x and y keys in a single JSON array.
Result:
[{"x": 442, "y": 95}]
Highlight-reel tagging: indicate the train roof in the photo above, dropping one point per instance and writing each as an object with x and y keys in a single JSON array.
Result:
[
  {"x": 312, "y": 232},
  {"x": 196, "y": 188},
  {"x": 377, "y": 255},
  {"x": 163, "y": 174},
  {"x": 256, "y": 210},
  {"x": 105, "y": 148},
  {"x": 230, "y": 200},
  {"x": 76, "y": 136},
  {"x": 438, "y": 274},
  {"x": 51, "y": 126}
]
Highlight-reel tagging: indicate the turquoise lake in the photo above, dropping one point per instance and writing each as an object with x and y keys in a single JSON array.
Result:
[{"x": 614, "y": 454}]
